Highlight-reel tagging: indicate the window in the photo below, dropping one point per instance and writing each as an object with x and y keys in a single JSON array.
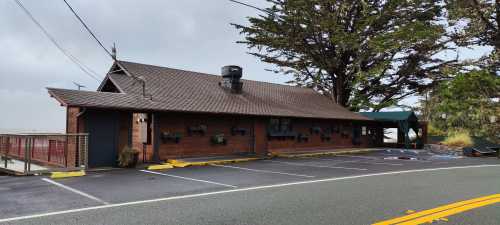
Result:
[
  {"x": 280, "y": 125},
  {"x": 274, "y": 125},
  {"x": 363, "y": 130},
  {"x": 285, "y": 125}
]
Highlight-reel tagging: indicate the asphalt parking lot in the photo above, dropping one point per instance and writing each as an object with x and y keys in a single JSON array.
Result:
[{"x": 22, "y": 196}]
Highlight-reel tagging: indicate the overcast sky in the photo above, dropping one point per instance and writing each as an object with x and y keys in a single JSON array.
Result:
[
  {"x": 189, "y": 34},
  {"x": 192, "y": 34}
]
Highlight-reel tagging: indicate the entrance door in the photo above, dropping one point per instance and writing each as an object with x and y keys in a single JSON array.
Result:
[
  {"x": 356, "y": 135},
  {"x": 103, "y": 130}
]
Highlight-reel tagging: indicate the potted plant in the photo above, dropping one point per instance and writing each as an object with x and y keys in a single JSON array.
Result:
[
  {"x": 128, "y": 157},
  {"x": 219, "y": 139}
]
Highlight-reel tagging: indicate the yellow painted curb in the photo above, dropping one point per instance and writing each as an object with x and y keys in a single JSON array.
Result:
[
  {"x": 316, "y": 154},
  {"x": 161, "y": 166},
  {"x": 59, "y": 175},
  {"x": 180, "y": 163}
]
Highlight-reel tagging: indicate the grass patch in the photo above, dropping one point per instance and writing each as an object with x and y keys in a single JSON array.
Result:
[{"x": 458, "y": 139}]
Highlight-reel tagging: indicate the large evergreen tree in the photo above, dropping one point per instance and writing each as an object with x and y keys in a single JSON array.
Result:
[
  {"x": 478, "y": 24},
  {"x": 364, "y": 54}
]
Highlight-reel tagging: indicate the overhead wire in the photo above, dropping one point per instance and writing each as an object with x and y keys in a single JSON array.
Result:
[
  {"x": 87, "y": 70},
  {"x": 88, "y": 29}
]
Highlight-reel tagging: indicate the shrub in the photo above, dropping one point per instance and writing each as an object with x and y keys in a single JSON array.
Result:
[
  {"x": 128, "y": 157},
  {"x": 434, "y": 131},
  {"x": 458, "y": 139}
]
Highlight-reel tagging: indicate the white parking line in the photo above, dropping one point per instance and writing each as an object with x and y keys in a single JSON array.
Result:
[
  {"x": 318, "y": 166},
  {"x": 75, "y": 191},
  {"x": 188, "y": 178},
  {"x": 263, "y": 171},
  {"x": 361, "y": 162},
  {"x": 142, "y": 202},
  {"x": 360, "y": 157},
  {"x": 382, "y": 158},
  {"x": 339, "y": 161}
]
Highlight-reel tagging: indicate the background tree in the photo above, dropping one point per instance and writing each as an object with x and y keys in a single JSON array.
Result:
[
  {"x": 477, "y": 23},
  {"x": 467, "y": 102},
  {"x": 362, "y": 54}
]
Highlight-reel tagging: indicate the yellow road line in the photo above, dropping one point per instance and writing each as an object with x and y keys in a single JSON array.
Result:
[
  {"x": 436, "y": 210},
  {"x": 436, "y": 216}
]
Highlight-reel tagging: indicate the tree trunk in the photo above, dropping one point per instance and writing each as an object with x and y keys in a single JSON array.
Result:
[{"x": 339, "y": 87}]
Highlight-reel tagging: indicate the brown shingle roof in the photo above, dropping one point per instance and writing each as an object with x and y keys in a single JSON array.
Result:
[{"x": 180, "y": 90}]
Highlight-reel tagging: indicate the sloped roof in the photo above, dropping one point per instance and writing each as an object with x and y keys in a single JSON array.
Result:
[
  {"x": 390, "y": 116},
  {"x": 186, "y": 91}
]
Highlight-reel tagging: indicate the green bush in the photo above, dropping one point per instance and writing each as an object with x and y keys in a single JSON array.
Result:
[
  {"x": 128, "y": 157},
  {"x": 434, "y": 131}
]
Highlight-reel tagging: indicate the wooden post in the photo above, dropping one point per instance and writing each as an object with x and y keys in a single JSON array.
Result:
[
  {"x": 26, "y": 153},
  {"x": 66, "y": 151},
  {"x": 156, "y": 137},
  {"x": 32, "y": 142}
]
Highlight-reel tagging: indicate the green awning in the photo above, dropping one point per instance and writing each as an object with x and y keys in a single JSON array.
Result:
[
  {"x": 391, "y": 116},
  {"x": 404, "y": 119}
]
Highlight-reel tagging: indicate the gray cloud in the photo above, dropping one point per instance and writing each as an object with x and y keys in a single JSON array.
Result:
[{"x": 191, "y": 34}]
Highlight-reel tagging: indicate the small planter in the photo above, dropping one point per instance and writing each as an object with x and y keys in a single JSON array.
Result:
[
  {"x": 219, "y": 139},
  {"x": 171, "y": 137},
  {"x": 200, "y": 129},
  {"x": 238, "y": 131},
  {"x": 326, "y": 137},
  {"x": 128, "y": 158},
  {"x": 302, "y": 138},
  {"x": 315, "y": 130},
  {"x": 281, "y": 135}
]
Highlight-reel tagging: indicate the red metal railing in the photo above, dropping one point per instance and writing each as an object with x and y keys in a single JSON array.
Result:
[{"x": 48, "y": 150}]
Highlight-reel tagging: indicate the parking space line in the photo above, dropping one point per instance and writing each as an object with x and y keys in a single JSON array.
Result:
[
  {"x": 338, "y": 161},
  {"x": 75, "y": 191},
  {"x": 188, "y": 178},
  {"x": 319, "y": 166},
  {"x": 362, "y": 162},
  {"x": 263, "y": 171},
  {"x": 360, "y": 157},
  {"x": 388, "y": 164},
  {"x": 190, "y": 196},
  {"x": 377, "y": 158}
]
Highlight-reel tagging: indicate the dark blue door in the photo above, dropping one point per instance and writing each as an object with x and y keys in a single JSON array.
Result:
[{"x": 102, "y": 127}]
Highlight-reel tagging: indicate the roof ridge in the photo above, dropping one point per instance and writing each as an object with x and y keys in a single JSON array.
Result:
[
  {"x": 66, "y": 89},
  {"x": 212, "y": 75}
]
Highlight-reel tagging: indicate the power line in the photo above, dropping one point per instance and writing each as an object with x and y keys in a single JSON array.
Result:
[
  {"x": 88, "y": 29},
  {"x": 74, "y": 59},
  {"x": 251, "y": 6}
]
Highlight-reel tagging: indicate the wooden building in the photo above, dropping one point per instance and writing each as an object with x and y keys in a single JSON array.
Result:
[{"x": 168, "y": 113}]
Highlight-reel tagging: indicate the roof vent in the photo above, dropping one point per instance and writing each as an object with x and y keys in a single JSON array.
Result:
[{"x": 231, "y": 76}]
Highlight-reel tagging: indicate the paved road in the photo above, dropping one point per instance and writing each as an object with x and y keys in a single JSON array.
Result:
[{"x": 285, "y": 191}]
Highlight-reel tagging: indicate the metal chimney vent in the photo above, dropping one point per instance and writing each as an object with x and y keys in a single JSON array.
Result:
[{"x": 231, "y": 76}]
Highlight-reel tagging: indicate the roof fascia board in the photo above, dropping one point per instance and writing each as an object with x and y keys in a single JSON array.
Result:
[
  {"x": 109, "y": 79},
  {"x": 56, "y": 97}
]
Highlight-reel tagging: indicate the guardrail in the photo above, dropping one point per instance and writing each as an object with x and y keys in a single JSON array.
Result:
[{"x": 33, "y": 153}]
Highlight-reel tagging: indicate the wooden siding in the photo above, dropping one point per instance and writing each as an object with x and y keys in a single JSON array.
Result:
[
  {"x": 255, "y": 140},
  {"x": 198, "y": 144},
  {"x": 315, "y": 142}
]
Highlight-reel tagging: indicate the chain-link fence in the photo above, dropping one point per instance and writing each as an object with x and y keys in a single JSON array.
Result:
[{"x": 35, "y": 153}]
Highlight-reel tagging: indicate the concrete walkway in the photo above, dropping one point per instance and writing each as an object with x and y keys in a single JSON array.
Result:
[{"x": 17, "y": 166}]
